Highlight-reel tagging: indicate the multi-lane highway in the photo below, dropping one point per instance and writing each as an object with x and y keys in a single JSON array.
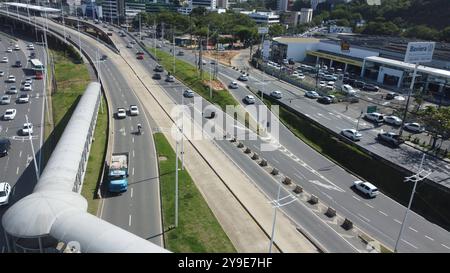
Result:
[
  {"x": 17, "y": 168},
  {"x": 380, "y": 217}
]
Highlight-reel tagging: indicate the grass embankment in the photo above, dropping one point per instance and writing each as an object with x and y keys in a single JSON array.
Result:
[
  {"x": 72, "y": 79},
  {"x": 198, "y": 230}
]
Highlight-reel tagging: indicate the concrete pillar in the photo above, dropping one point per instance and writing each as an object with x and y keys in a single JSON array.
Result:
[
  {"x": 7, "y": 242},
  {"x": 363, "y": 67},
  {"x": 400, "y": 80},
  {"x": 331, "y": 63},
  {"x": 317, "y": 60},
  {"x": 345, "y": 67}
]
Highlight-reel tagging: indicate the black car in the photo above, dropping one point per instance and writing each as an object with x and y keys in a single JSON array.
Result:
[
  {"x": 103, "y": 57},
  {"x": 32, "y": 55},
  {"x": 159, "y": 68},
  {"x": 5, "y": 145},
  {"x": 358, "y": 84},
  {"x": 370, "y": 87},
  {"x": 325, "y": 100},
  {"x": 157, "y": 76},
  {"x": 18, "y": 64},
  {"x": 390, "y": 96}
]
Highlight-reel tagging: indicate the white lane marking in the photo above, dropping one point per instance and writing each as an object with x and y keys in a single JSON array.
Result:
[
  {"x": 300, "y": 174},
  {"x": 278, "y": 162},
  {"x": 410, "y": 244},
  {"x": 20, "y": 153},
  {"x": 397, "y": 221},
  {"x": 429, "y": 238},
  {"x": 356, "y": 198},
  {"x": 412, "y": 229},
  {"x": 132, "y": 139},
  {"x": 367, "y": 220},
  {"x": 447, "y": 247},
  {"x": 28, "y": 110},
  {"x": 382, "y": 213},
  {"x": 131, "y": 193},
  {"x": 133, "y": 171},
  {"x": 370, "y": 206},
  {"x": 133, "y": 153},
  {"x": 6, "y": 131},
  {"x": 129, "y": 220},
  {"x": 17, "y": 170}
]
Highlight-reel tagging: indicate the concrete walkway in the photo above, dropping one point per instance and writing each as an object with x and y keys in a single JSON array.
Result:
[{"x": 227, "y": 190}]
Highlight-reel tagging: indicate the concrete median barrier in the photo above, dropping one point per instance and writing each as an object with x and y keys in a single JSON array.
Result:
[
  {"x": 298, "y": 189},
  {"x": 274, "y": 171},
  {"x": 347, "y": 225},
  {"x": 240, "y": 145},
  {"x": 313, "y": 200},
  {"x": 255, "y": 156},
  {"x": 247, "y": 150},
  {"x": 330, "y": 212},
  {"x": 287, "y": 181},
  {"x": 263, "y": 163}
]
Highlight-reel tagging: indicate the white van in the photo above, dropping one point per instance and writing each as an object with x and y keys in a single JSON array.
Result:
[{"x": 347, "y": 89}]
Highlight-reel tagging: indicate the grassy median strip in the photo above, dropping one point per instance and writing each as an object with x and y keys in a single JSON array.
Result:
[
  {"x": 198, "y": 230},
  {"x": 71, "y": 80},
  {"x": 189, "y": 75}
]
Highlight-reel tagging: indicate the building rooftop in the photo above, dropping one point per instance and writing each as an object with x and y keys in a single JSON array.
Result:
[
  {"x": 285, "y": 40},
  {"x": 32, "y": 7}
]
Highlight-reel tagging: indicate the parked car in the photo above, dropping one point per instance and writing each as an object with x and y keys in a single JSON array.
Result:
[
  {"x": 188, "y": 93},
  {"x": 249, "y": 99},
  {"x": 393, "y": 120},
  {"x": 312, "y": 94},
  {"x": 325, "y": 100},
  {"x": 390, "y": 96},
  {"x": 233, "y": 85},
  {"x": 134, "y": 111},
  {"x": 351, "y": 134},
  {"x": 413, "y": 127},
  {"x": 322, "y": 84},
  {"x": 5, "y": 191},
  {"x": 358, "y": 84},
  {"x": 9, "y": 114},
  {"x": 374, "y": 117},
  {"x": 27, "y": 129},
  {"x": 2, "y": 73},
  {"x": 5, "y": 100},
  {"x": 5, "y": 145},
  {"x": 347, "y": 89},
  {"x": 276, "y": 94},
  {"x": 366, "y": 188},
  {"x": 391, "y": 138},
  {"x": 156, "y": 76},
  {"x": 121, "y": 113},
  {"x": 370, "y": 87}
]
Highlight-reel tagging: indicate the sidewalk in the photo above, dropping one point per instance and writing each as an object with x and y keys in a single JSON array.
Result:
[{"x": 228, "y": 192}]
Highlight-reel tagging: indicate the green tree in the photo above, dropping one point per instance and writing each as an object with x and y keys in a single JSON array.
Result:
[
  {"x": 300, "y": 4},
  {"x": 437, "y": 122},
  {"x": 422, "y": 32},
  {"x": 276, "y": 30},
  {"x": 445, "y": 34}
]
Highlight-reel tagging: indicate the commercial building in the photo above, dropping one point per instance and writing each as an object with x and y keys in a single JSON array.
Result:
[
  {"x": 210, "y": 4},
  {"x": 223, "y": 4},
  {"x": 263, "y": 18},
  {"x": 306, "y": 16},
  {"x": 284, "y": 5}
]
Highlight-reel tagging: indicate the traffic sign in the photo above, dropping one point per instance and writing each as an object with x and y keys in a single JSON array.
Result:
[{"x": 263, "y": 30}]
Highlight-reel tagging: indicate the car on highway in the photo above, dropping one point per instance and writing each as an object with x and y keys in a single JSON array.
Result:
[
  {"x": 233, "y": 85},
  {"x": 28, "y": 80},
  {"x": 5, "y": 145},
  {"x": 370, "y": 87},
  {"x": 27, "y": 129},
  {"x": 413, "y": 127},
  {"x": 276, "y": 94},
  {"x": 5, "y": 191},
  {"x": 5, "y": 100},
  {"x": 12, "y": 90},
  {"x": 134, "y": 111},
  {"x": 156, "y": 76},
  {"x": 121, "y": 113},
  {"x": 32, "y": 55},
  {"x": 9, "y": 50},
  {"x": 158, "y": 68},
  {"x": 312, "y": 94},
  {"x": 23, "y": 98},
  {"x": 140, "y": 57},
  {"x": 393, "y": 120},
  {"x": 188, "y": 93},
  {"x": 2, "y": 73},
  {"x": 374, "y": 117},
  {"x": 351, "y": 134},
  {"x": 30, "y": 47},
  {"x": 103, "y": 58},
  {"x": 9, "y": 114},
  {"x": 249, "y": 99},
  {"x": 204, "y": 62},
  {"x": 16, "y": 47},
  {"x": 391, "y": 138},
  {"x": 170, "y": 78},
  {"x": 11, "y": 78},
  {"x": 325, "y": 100},
  {"x": 158, "y": 46},
  {"x": 180, "y": 53},
  {"x": 243, "y": 78},
  {"x": 129, "y": 45},
  {"x": 18, "y": 64},
  {"x": 5, "y": 59},
  {"x": 132, "y": 42},
  {"x": 367, "y": 188}
]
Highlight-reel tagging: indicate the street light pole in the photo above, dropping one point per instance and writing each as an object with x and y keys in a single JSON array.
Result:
[
  {"x": 32, "y": 149},
  {"x": 411, "y": 87},
  {"x": 357, "y": 124},
  {"x": 176, "y": 181}
]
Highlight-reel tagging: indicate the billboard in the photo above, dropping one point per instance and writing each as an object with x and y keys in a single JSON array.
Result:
[
  {"x": 263, "y": 30},
  {"x": 419, "y": 52},
  {"x": 266, "y": 48}
]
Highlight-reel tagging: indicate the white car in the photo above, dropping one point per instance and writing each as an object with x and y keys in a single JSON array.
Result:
[
  {"x": 30, "y": 47},
  {"x": 5, "y": 190},
  {"x": 300, "y": 76},
  {"x": 374, "y": 117},
  {"x": 322, "y": 84},
  {"x": 28, "y": 80},
  {"x": 129, "y": 46},
  {"x": 413, "y": 127},
  {"x": 27, "y": 87},
  {"x": 12, "y": 90},
  {"x": 11, "y": 78},
  {"x": 24, "y": 98},
  {"x": 351, "y": 134},
  {"x": 276, "y": 94},
  {"x": 234, "y": 85},
  {"x": 2, "y": 73},
  {"x": 5, "y": 59},
  {"x": 9, "y": 114},
  {"x": 243, "y": 78},
  {"x": 170, "y": 78},
  {"x": 121, "y": 113},
  {"x": 5, "y": 100},
  {"x": 134, "y": 111},
  {"x": 393, "y": 120},
  {"x": 312, "y": 94},
  {"x": 16, "y": 47},
  {"x": 249, "y": 99},
  {"x": 9, "y": 50},
  {"x": 366, "y": 188},
  {"x": 27, "y": 129},
  {"x": 188, "y": 93}
]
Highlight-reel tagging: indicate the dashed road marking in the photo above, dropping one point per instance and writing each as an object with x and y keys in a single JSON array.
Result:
[
  {"x": 17, "y": 170},
  {"x": 367, "y": 220},
  {"x": 131, "y": 193},
  {"x": 397, "y": 221},
  {"x": 129, "y": 220},
  {"x": 447, "y": 247},
  {"x": 132, "y": 139},
  {"x": 410, "y": 244},
  {"x": 370, "y": 206},
  {"x": 133, "y": 153},
  {"x": 385, "y": 214},
  {"x": 133, "y": 171},
  {"x": 429, "y": 238},
  {"x": 20, "y": 154},
  {"x": 356, "y": 198},
  {"x": 412, "y": 229}
]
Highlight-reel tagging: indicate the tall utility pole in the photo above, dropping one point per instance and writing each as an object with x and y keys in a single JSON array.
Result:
[
  {"x": 140, "y": 28},
  {"x": 173, "y": 47},
  {"x": 110, "y": 11},
  {"x": 32, "y": 149},
  {"x": 176, "y": 179},
  {"x": 64, "y": 25},
  {"x": 411, "y": 87},
  {"x": 154, "y": 31},
  {"x": 210, "y": 80}
]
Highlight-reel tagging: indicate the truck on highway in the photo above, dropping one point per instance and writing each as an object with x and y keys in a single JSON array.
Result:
[{"x": 118, "y": 173}]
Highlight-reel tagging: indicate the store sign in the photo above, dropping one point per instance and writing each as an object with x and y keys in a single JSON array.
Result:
[
  {"x": 419, "y": 52},
  {"x": 263, "y": 30},
  {"x": 266, "y": 49}
]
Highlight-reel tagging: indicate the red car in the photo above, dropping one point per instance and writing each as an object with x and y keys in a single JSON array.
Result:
[
  {"x": 140, "y": 57},
  {"x": 39, "y": 76}
]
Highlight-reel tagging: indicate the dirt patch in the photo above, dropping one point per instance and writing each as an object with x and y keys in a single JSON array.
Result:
[
  {"x": 224, "y": 57},
  {"x": 215, "y": 85},
  {"x": 162, "y": 158}
]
